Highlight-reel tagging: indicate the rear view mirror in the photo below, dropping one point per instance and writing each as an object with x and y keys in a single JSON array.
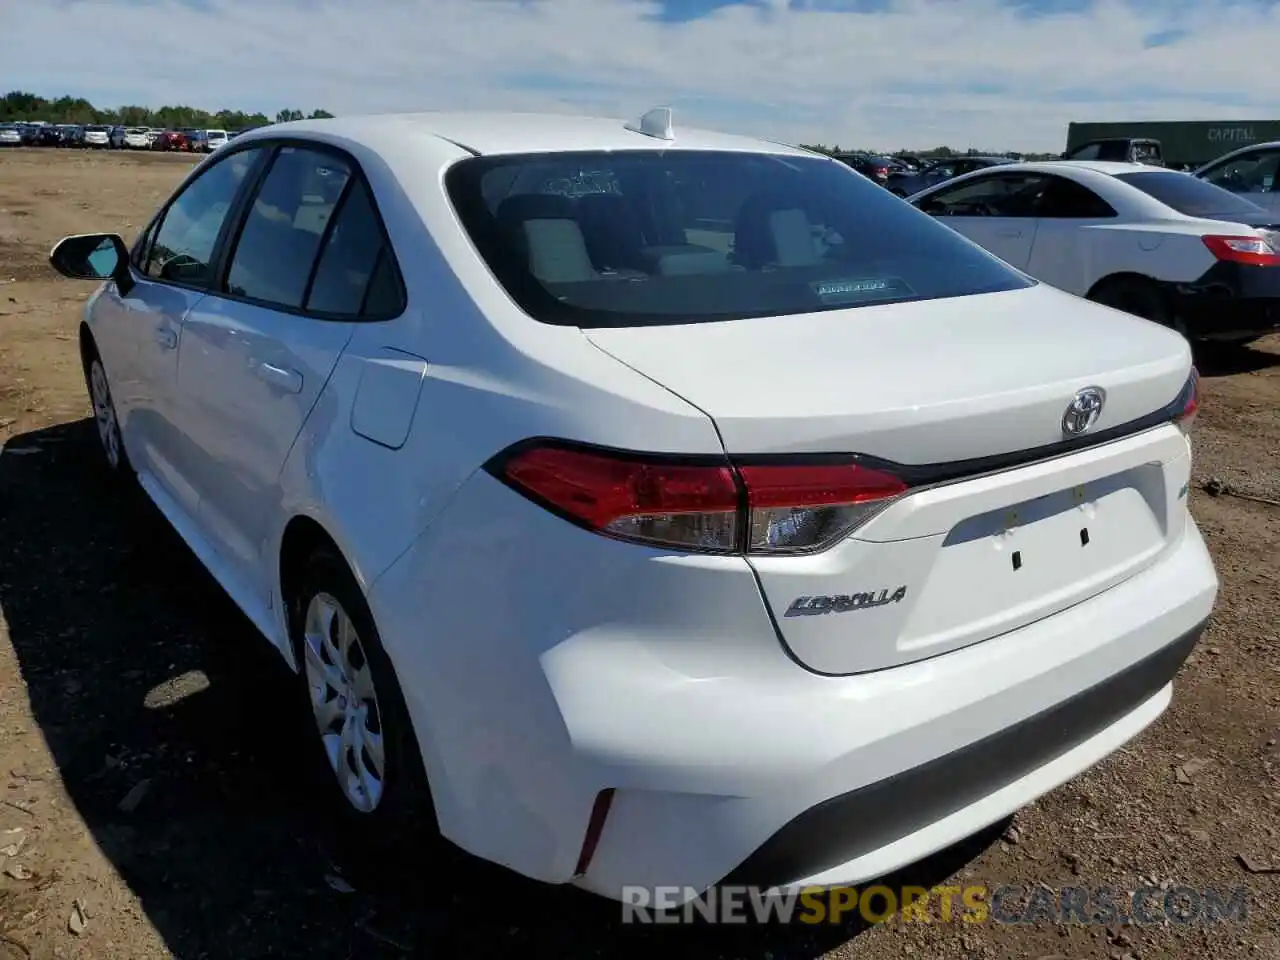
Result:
[{"x": 93, "y": 256}]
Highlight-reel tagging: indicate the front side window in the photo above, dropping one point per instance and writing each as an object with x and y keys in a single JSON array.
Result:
[
  {"x": 182, "y": 250},
  {"x": 1249, "y": 173},
  {"x": 1189, "y": 195},
  {"x": 997, "y": 195},
  {"x": 285, "y": 227},
  {"x": 645, "y": 237}
]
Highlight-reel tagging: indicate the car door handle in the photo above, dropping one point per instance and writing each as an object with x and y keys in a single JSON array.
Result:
[
  {"x": 1008, "y": 233},
  {"x": 167, "y": 337},
  {"x": 285, "y": 379}
]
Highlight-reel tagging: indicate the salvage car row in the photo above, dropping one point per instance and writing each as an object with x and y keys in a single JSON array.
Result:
[
  {"x": 111, "y": 137},
  {"x": 1252, "y": 170}
]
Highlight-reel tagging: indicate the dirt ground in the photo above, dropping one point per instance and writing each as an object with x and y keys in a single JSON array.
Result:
[{"x": 151, "y": 803}]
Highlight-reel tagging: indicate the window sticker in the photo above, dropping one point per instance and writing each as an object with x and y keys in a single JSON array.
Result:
[{"x": 858, "y": 289}]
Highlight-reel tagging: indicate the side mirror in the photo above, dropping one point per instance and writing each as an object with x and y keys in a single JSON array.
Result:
[{"x": 93, "y": 256}]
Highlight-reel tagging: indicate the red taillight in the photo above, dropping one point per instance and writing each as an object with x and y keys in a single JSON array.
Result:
[
  {"x": 1253, "y": 251},
  {"x": 707, "y": 506},
  {"x": 1190, "y": 399},
  {"x": 674, "y": 504}
]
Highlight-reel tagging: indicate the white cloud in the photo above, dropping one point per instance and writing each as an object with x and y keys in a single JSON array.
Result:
[{"x": 920, "y": 73}]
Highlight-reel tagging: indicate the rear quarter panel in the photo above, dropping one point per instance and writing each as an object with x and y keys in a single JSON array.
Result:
[{"x": 1076, "y": 255}]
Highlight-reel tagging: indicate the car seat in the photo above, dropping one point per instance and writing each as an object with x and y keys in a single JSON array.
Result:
[
  {"x": 543, "y": 230},
  {"x": 773, "y": 230}
]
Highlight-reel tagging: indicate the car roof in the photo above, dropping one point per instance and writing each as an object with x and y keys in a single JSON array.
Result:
[
  {"x": 1238, "y": 151},
  {"x": 490, "y": 134},
  {"x": 1111, "y": 167}
]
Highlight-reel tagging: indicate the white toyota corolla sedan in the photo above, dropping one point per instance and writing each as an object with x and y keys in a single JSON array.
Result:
[{"x": 651, "y": 506}]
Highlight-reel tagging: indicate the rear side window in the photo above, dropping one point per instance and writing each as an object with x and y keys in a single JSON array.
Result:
[
  {"x": 647, "y": 237},
  {"x": 355, "y": 275},
  {"x": 1189, "y": 195},
  {"x": 1147, "y": 153},
  {"x": 285, "y": 227}
]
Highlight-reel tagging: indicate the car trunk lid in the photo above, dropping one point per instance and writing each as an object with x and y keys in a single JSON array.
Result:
[{"x": 965, "y": 400}]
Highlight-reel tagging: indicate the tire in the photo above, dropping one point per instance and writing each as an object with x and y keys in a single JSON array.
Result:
[
  {"x": 374, "y": 824},
  {"x": 110, "y": 441},
  {"x": 1140, "y": 298}
]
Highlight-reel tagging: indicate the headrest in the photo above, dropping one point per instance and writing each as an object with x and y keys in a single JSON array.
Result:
[{"x": 535, "y": 206}]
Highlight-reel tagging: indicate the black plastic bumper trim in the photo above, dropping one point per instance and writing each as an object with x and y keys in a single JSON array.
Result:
[{"x": 852, "y": 824}]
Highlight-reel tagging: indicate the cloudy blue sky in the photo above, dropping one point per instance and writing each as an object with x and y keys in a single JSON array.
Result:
[{"x": 886, "y": 73}]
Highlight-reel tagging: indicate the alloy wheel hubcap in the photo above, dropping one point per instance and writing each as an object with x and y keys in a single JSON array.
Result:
[
  {"x": 104, "y": 413},
  {"x": 344, "y": 702}
]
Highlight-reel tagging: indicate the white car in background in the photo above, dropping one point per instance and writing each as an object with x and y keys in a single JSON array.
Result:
[
  {"x": 10, "y": 135},
  {"x": 213, "y": 140},
  {"x": 655, "y": 506},
  {"x": 137, "y": 138},
  {"x": 1157, "y": 243},
  {"x": 1252, "y": 173},
  {"x": 98, "y": 136}
]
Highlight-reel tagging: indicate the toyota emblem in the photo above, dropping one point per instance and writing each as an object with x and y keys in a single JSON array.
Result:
[{"x": 1083, "y": 411}]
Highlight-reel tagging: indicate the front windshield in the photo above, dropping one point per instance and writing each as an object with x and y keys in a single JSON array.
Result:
[{"x": 647, "y": 237}]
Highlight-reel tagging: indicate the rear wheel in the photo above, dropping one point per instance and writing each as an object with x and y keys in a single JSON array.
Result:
[
  {"x": 364, "y": 753},
  {"x": 1140, "y": 298}
]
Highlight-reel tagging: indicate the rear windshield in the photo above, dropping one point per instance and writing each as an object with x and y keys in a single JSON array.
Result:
[
  {"x": 1189, "y": 195},
  {"x": 94, "y": 128},
  {"x": 1146, "y": 151},
  {"x": 634, "y": 238}
]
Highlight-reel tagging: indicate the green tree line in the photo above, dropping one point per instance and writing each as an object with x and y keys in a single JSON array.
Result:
[{"x": 21, "y": 105}]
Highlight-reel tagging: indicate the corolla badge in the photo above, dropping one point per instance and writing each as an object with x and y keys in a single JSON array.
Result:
[
  {"x": 843, "y": 603},
  {"x": 1083, "y": 411}
]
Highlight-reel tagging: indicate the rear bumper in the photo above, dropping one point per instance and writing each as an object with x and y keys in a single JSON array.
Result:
[
  {"x": 593, "y": 665},
  {"x": 1230, "y": 301},
  {"x": 933, "y": 753},
  {"x": 854, "y": 824}
]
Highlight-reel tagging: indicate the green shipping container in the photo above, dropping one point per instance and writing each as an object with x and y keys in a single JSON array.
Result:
[{"x": 1183, "y": 141}]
